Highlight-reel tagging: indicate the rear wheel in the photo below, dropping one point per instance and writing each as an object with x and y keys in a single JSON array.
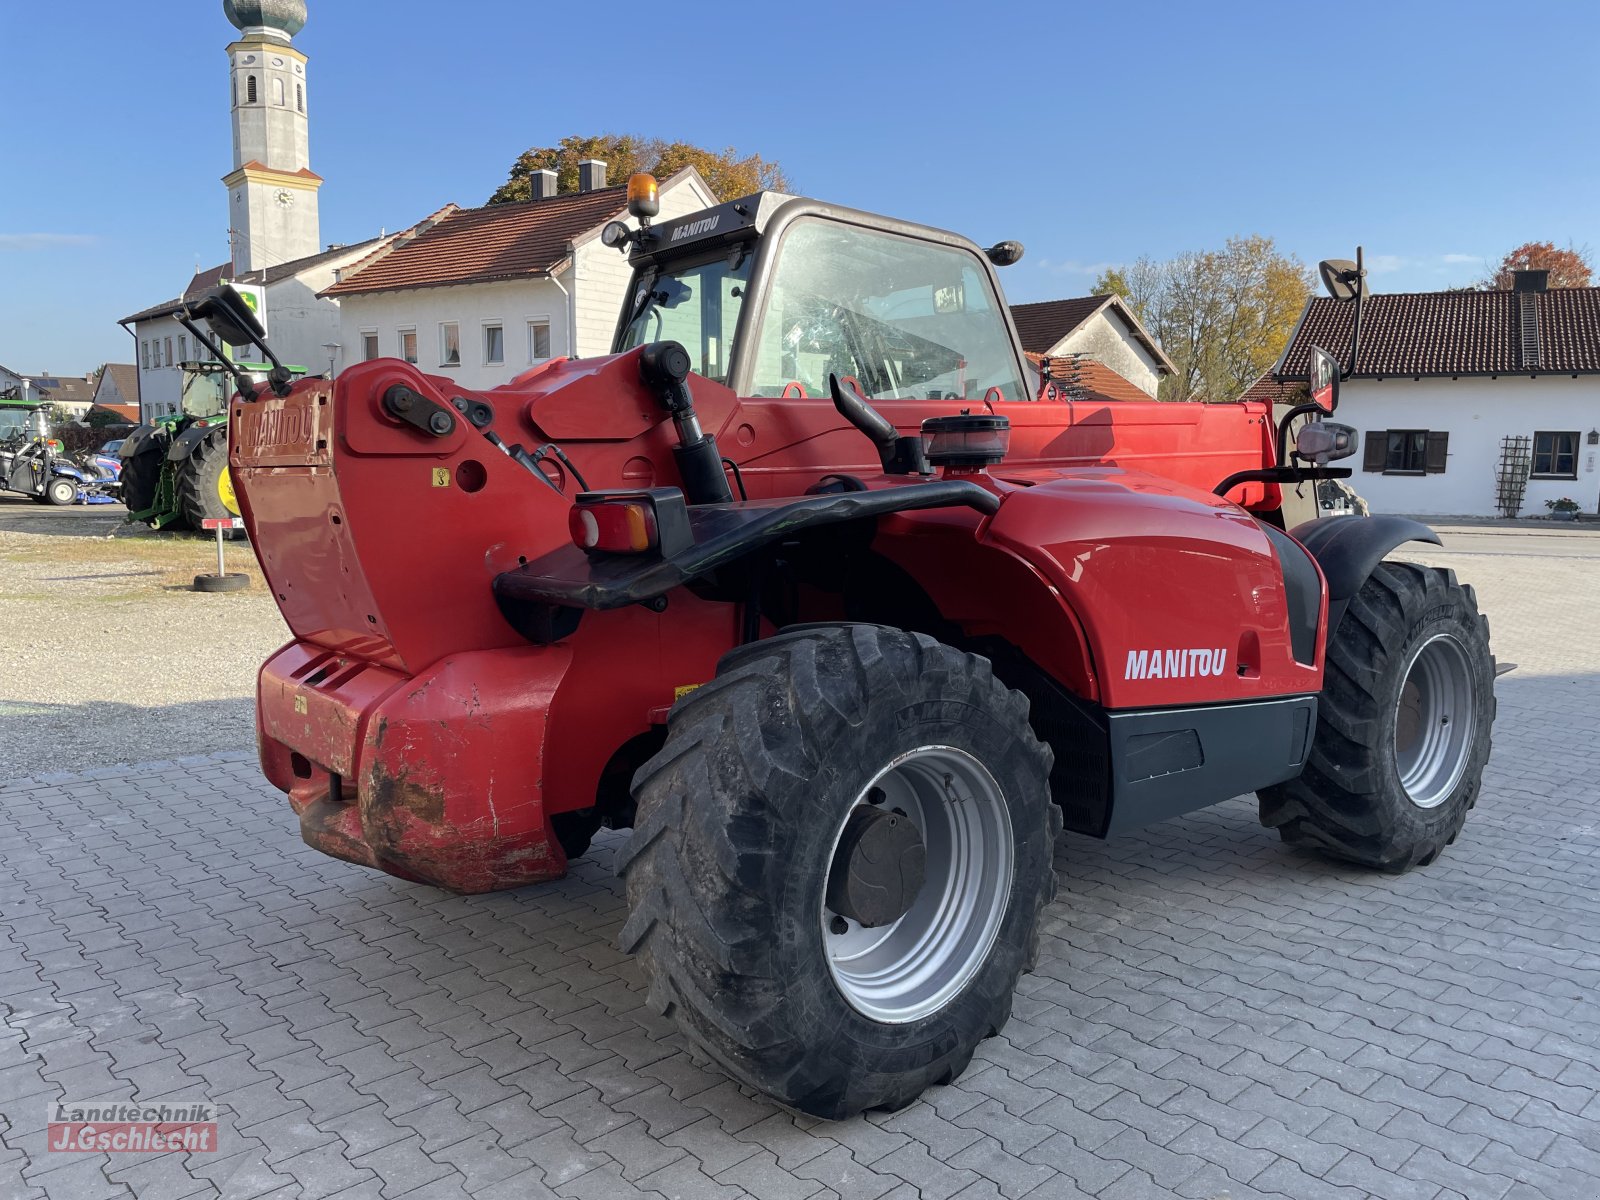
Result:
[
  {"x": 205, "y": 489},
  {"x": 1403, "y": 725},
  {"x": 141, "y": 474},
  {"x": 839, "y": 862}
]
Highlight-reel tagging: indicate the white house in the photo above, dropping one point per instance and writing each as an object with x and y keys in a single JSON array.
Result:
[
  {"x": 1468, "y": 403},
  {"x": 117, "y": 391},
  {"x": 1115, "y": 355},
  {"x": 482, "y": 294}
]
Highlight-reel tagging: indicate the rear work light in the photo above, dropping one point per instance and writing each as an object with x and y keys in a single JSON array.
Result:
[{"x": 651, "y": 521}]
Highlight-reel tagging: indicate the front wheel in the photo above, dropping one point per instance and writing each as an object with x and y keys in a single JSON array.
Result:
[
  {"x": 1403, "y": 725},
  {"x": 839, "y": 862},
  {"x": 61, "y": 492}
]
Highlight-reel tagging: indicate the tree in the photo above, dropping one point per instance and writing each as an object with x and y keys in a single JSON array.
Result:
[
  {"x": 728, "y": 173},
  {"x": 1569, "y": 268},
  {"x": 1221, "y": 316}
]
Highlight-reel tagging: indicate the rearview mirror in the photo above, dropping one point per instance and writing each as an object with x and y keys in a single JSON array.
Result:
[
  {"x": 1324, "y": 381},
  {"x": 229, "y": 316}
]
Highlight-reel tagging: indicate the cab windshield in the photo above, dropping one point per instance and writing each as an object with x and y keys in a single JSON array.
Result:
[
  {"x": 903, "y": 317},
  {"x": 695, "y": 303}
]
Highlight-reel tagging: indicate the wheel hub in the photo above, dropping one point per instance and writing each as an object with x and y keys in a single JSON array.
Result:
[
  {"x": 919, "y": 882},
  {"x": 1435, "y": 721},
  {"x": 878, "y": 868}
]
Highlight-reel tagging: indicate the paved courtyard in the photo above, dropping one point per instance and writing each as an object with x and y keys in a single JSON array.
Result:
[{"x": 1213, "y": 1016}]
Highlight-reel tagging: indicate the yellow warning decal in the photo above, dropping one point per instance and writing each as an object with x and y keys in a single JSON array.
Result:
[
  {"x": 441, "y": 477},
  {"x": 678, "y": 693}
]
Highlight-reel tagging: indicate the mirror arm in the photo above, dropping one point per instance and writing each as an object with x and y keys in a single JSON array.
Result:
[
  {"x": 1299, "y": 410},
  {"x": 1355, "y": 331},
  {"x": 246, "y": 387}
]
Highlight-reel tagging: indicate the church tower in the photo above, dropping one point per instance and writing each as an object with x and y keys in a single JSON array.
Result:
[{"x": 272, "y": 191}]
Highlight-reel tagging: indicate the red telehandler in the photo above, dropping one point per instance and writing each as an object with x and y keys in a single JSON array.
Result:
[{"x": 818, "y": 587}]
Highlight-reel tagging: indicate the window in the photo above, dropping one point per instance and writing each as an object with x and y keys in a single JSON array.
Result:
[
  {"x": 494, "y": 345},
  {"x": 169, "y": 352},
  {"x": 907, "y": 319},
  {"x": 538, "y": 340},
  {"x": 1555, "y": 455},
  {"x": 1407, "y": 451},
  {"x": 369, "y": 344},
  {"x": 250, "y": 89},
  {"x": 449, "y": 344},
  {"x": 408, "y": 345},
  {"x": 300, "y": 97},
  {"x": 277, "y": 91},
  {"x": 144, "y": 355},
  {"x": 183, "y": 348}
]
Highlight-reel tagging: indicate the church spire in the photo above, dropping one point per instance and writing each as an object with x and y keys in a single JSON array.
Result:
[{"x": 272, "y": 191}]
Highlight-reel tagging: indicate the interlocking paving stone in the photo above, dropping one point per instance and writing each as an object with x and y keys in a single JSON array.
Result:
[{"x": 1212, "y": 1014}]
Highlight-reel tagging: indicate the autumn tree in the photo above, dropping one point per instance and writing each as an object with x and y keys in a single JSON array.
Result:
[
  {"x": 1221, "y": 316},
  {"x": 727, "y": 172},
  {"x": 1569, "y": 268}
]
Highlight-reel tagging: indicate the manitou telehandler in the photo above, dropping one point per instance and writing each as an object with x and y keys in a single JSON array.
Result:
[{"x": 821, "y": 590}]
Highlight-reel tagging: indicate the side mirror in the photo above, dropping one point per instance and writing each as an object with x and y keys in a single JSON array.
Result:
[
  {"x": 1324, "y": 381},
  {"x": 1323, "y": 441},
  {"x": 229, "y": 316}
]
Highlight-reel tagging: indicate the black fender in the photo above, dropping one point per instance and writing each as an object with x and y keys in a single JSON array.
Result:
[
  {"x": 1349, "y": 548},
  {"x": 187, "y": 442},
  {"x": 146, "y": 439}
]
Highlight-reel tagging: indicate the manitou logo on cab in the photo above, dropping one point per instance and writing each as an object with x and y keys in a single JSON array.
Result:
[
  {"x": 1175, "y": 664},
  {"x": 696, "y": 228}
]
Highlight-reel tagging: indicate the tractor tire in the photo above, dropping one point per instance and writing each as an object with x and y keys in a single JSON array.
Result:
[
  {"x": 141, "y": 477},
  {"x": 1403, "y": 725},
  {"x": 61, "y": 492},
  {"x": 839, "y": 862},
  {"x": 205, "y": 491}
]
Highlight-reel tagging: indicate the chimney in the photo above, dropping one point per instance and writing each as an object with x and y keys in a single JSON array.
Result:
[
  {"x": 1530, "y": 281},
  {"x": 543, "y": 184},
  {"x": 591, "y": 175}
]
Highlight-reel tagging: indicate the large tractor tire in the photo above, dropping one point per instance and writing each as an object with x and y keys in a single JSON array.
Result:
[
  {"x": 141, "y": 476},
  {"x": 205, "y": 489},
  {"x": 1403, "y": 725},
  {"x": 838, "y": 864}
]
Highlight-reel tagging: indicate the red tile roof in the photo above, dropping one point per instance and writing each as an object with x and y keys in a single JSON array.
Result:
[
  {"x": 498, "y": 241},
  {"x": 1268, "y": 389},
  {"x": 1098, "y": 381},
  {"x": 1454, "y": 333}
]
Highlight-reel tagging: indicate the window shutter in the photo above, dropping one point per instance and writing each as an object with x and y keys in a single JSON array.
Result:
[
  {"x": 1438, "y": 452},
  {"x": 1377, "y": 452}
]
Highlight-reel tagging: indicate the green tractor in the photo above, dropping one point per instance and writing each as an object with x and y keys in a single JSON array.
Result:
[{"x": 175, "y": 469}]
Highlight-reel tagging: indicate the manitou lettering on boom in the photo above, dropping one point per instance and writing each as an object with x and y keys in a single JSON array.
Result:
[{"x": 1175, "y": 664}]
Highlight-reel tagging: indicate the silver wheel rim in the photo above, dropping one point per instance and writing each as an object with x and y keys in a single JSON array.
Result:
[
  {"x": 916, "y": 965},
  {"x": 1435, "y": 719}
]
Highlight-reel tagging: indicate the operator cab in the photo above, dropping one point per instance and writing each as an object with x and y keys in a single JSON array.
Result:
[{"x": 771, "y": 294}]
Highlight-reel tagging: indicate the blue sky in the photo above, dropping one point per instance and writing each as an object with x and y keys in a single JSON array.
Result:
[{"x": 1094, "y": 133}]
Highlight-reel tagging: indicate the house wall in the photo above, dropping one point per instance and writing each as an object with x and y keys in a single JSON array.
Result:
[
  {"x": 159, "y": 387},
  {"x": 511, "y": 304},
  {"x": 602, "y": 271},
  {"x": 1106, "y": 339},
  {"x": 106, "y": 391},
  {"x": 1477, "y": 413}
]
